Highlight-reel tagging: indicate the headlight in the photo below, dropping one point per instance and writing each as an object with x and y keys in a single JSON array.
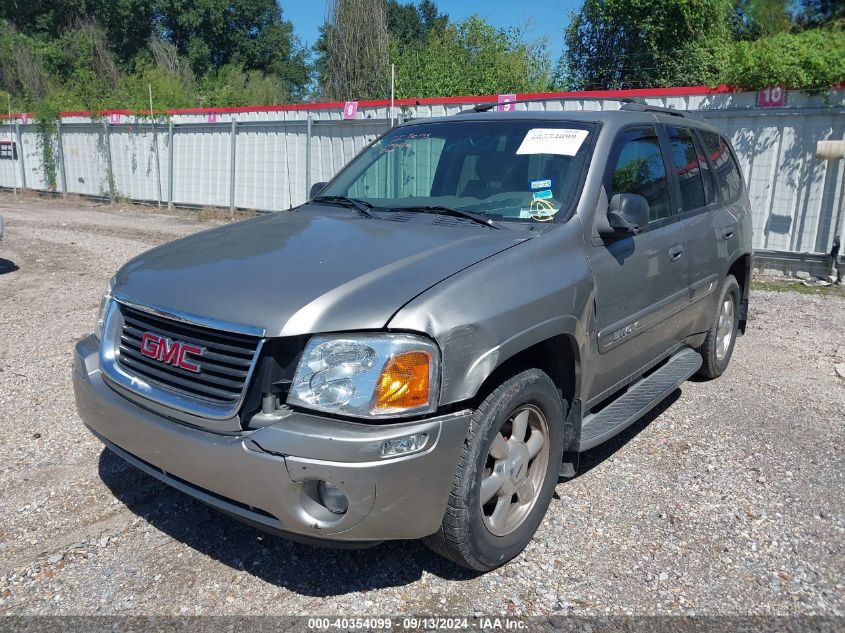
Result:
[
  {"x": 368, "y": 375},
  {"x": 101, "y": 314}
]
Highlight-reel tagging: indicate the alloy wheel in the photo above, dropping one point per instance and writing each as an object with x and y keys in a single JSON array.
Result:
[{"x": 515, "y": 470}]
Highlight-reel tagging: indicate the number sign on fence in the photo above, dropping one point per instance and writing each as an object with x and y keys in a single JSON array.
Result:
[
  {"x": 350, "y": 109},
  {"x": 772, "y": 97}
]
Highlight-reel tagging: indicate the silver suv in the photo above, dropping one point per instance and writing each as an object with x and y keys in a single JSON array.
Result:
[{"x": 424, "y": 347}]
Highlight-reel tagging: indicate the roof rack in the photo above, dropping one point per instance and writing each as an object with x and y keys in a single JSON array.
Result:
[
  {"x": 486, "y": 107},
  {"x": 638, "y": 105},
  {"x": 629, "y": 104}
]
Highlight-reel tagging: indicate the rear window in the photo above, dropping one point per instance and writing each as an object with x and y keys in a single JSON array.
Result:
[{"x": 728, "y": 175}]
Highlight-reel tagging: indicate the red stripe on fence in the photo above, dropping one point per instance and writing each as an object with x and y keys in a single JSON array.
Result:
[{"x": 431, "y": 101}]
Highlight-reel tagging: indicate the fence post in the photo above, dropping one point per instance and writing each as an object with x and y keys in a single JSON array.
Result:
[
  {"x": 21, "y": 155},
  {"x": 109, "y": 170},
  {"x": 170, "y": 163},
  {"x": 232, "y": 144},
  {"x": 61, "y": 158},
  {"x": 307, "y": 158}
]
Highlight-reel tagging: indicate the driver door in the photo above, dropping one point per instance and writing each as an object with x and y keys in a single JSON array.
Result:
[{"x": 641, "y": 286}]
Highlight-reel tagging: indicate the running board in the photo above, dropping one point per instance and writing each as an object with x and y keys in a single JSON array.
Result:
[{"x": 639, "y": 399}]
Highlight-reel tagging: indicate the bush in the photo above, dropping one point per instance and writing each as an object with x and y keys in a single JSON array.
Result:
[{"x": 813, "y": 60}]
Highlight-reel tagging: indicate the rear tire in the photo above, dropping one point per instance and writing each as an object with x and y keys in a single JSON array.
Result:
[
  {"x": 511, "y": 456},
  {"x": 718, "y": 346}
]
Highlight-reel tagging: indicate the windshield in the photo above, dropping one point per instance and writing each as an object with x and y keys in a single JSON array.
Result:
[{"x": 506, "y": 170}]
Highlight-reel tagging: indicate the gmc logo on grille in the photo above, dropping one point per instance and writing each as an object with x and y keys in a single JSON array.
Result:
[{"x": 165, "y": 350}]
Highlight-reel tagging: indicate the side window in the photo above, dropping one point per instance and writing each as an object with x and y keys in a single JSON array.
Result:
[
  {"x": 728, "y": 175},
  {"x": 639, "y": 169},
  {"x": 710, "y": 195},
  {"x": 688, "y": 168}
]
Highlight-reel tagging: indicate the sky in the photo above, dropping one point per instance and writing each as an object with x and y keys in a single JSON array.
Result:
[{"x": 547, "y": 17}]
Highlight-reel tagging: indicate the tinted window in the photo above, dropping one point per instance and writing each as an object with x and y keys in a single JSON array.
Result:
[
  {"x": 709, "y": 180},
  {"x": 727, "y": 171},
  {"x": 687, "y": 167},
  {"x": 639, "y": 169}
]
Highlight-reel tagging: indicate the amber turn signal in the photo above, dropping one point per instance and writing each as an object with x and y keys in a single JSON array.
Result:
[{"x": 404, "y": 383}]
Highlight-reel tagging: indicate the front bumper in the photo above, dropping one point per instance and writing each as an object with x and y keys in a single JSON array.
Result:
[{"x": 268, "y": 477}]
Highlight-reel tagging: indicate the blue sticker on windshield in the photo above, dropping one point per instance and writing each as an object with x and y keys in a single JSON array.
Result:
[
  {"x": 543, "y": 195},
  {"x": 540, "y": 184}
]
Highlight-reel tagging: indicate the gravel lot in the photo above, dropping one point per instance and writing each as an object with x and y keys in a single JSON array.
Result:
[{"x": 730, "y": 499}]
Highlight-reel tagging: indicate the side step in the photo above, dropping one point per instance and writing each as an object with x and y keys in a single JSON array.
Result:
[{"x": 639, "y": 399}]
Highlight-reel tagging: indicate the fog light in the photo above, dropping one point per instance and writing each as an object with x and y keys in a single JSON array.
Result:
[
  {"x": 403, "y": 445},
  {"x": 332, "y": 497}
]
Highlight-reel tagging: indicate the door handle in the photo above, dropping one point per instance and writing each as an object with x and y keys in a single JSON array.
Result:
[
  {"x": 727, "y": 233},
  {"x": 675, "y": 252}
]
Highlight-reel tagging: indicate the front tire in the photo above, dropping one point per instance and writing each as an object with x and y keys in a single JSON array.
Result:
[
  {"x": 718, "y": 346},
  {"x": 506, "y": 474}
]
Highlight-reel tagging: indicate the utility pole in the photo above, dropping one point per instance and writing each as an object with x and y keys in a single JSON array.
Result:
[
  {"x": 12, "y": 142},
  {"x": 155, "y": 145},
  {"x": 392, "y": 91}
]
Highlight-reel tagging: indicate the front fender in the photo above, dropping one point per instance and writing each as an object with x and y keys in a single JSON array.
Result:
[{"x": 490, "y": 312}]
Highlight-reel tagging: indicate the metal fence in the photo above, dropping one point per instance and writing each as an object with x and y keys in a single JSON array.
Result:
[{"x": 267, "y": 158}]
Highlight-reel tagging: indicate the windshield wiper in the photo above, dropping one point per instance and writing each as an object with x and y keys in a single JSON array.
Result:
[
  {"x": 362, "y": 206},
  {"x": 480, "y": 218}
]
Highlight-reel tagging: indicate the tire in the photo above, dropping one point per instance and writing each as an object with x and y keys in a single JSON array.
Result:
[
  {"x": 528, "y": 400},
  {"x": 715, "y": 351}
]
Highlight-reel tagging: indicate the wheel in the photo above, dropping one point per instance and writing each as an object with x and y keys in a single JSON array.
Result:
[
  {"x": 506, "y": 473},
  {"x": 719, "y": 344}
]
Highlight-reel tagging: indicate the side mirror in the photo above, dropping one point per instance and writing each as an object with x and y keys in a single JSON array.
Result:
[
  {"x": 316, "y": 188},
  {"x": 627, "y": 213}
]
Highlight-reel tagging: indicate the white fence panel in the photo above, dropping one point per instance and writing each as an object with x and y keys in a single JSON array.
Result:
[
  {"x": 10, "y": 169},
  {"x": 796, "y": 199},
  {"x": 202, "y": 169},
  {"x": 133, "y": 154},
  {"x": 270, "y": 165},
  {"x": 86, "y": 161}
]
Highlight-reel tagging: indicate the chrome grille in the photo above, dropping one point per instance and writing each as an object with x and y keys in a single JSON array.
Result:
[{"x": 225, "y": 365}]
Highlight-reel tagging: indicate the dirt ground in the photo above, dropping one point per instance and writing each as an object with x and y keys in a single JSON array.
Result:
[{"x": 729, "y": 499}]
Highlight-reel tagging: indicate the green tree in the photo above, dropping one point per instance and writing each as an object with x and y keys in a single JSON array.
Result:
[
  {"x": 127, "y": 24},
  {"x": 811, "y": 60},
  {"x": 636, "y": 43},
  {"x": 248, "y": 33},
  {"x": 409, "y": 24},
  {"x": 353, "y": 51},
  {"x": 473, "y": 57},
  {"x": 820, "y": 12},
  {"x": 760, "y": 18}
]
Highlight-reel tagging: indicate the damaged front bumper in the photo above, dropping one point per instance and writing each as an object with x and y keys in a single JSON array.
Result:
[{"x": 268, "y": 477}]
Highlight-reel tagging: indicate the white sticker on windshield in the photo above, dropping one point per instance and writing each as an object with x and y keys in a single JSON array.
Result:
[{"x": 565, "y": 142}]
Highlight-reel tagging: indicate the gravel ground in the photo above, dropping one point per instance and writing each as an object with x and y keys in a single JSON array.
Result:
[{"x": 727, "y": 500}]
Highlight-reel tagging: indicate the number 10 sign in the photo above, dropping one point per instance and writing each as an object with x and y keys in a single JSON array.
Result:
[{"x": 773, "y": 97}]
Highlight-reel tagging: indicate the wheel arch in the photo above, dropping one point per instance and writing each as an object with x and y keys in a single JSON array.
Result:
[
  {"x": 557, "y": 356},
  {"x": 740, "y": 268}
]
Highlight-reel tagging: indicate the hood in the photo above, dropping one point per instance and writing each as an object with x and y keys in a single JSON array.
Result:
[{"x": 319, "y": 269}]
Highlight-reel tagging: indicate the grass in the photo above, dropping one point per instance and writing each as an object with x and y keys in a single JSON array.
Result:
[{"x": 790, "y": 284}]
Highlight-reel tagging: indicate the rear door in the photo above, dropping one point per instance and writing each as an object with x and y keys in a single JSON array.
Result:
[
  {"x": 709, "y": 226},
  {"x": 641, "y": 280}
]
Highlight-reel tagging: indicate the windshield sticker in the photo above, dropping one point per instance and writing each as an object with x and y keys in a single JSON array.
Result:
[
  {"x": 565, "y": 142},
  {"x": 399, "y": 140},
  {"x": 540, "y": 184},
  {"x": 542, "y": 195},
  {"x": 543, "y": 215}
]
